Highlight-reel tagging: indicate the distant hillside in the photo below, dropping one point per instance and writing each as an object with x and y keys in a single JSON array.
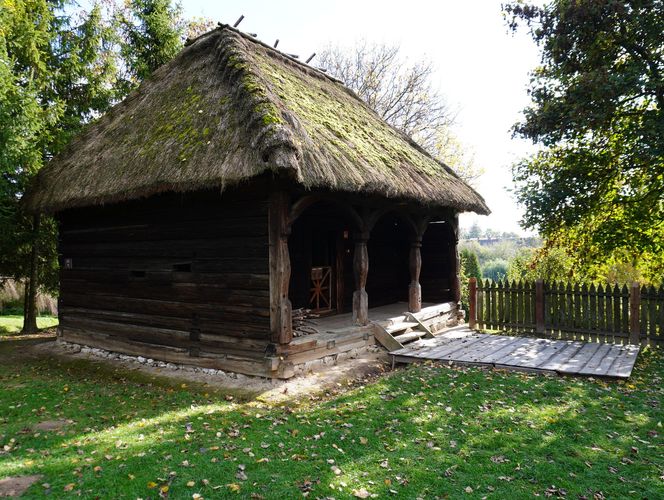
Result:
[{"x": 519, "y": 241}]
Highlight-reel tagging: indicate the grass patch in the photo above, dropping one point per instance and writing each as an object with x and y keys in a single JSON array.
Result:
[
  {"x": 420, "y": 432},
  {"x": 12, "y": 324}
]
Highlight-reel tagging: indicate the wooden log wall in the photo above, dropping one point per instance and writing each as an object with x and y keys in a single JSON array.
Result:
[{"x": 172, "y": 277}]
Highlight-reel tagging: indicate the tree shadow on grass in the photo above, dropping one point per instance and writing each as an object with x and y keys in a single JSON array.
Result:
[{"x": 428, "y": 431}]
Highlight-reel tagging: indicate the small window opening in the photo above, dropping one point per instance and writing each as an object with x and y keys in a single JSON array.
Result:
[{"x": 182, "y": 267}]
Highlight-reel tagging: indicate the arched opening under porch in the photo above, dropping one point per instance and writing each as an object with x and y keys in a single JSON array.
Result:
[
  {"x": 388, "y": 247},
  {"x": 347, "y": 266},
  {"x": 438, "y": 278},
  {"x": 369, "y": 274}
]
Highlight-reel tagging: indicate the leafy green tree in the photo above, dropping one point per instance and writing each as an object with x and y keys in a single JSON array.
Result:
[
  {"x": 152, "y": 34},
  {"x": 475, "y": 231},
  {"x": 495, "y": 269},
  {"x": 491, "y": 234},
  {"x": 597, "y": 186},
  {"x": 547, "y": 264},
  {"x": 471, "y": 264}
]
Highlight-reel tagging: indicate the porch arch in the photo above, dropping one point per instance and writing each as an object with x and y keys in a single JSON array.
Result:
[
  {"x": 439, "y": 279},
  {"x": 306, "y": 202},
  {"x": 394, "y": 252}
]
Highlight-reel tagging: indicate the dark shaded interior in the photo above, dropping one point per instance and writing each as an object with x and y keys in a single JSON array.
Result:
[
  {"x": 389, "y": 248},
  {"x": 438, "y": 263},
  {"x": 322, "y": 237}
]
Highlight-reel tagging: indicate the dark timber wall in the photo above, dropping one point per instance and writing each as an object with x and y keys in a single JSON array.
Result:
[{"x": 171, "y": 277}]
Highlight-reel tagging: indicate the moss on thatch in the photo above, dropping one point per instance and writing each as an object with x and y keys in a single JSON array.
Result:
[{"x": 229, "y": 108}]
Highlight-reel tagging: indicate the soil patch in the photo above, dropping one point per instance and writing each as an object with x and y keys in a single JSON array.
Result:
[
  {"x": 16, "y": 486},
  {"x": 51, "y": 425}
]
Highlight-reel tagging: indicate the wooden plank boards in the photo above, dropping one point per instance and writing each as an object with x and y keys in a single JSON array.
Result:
[
  {"x": 520, "y": 353},
  {"x": 588, "y": 312},
  {"x": 186, "y": 272},
  {"x": 386, "y": 339}
]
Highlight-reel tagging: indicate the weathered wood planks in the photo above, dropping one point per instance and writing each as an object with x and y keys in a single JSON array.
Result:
[
  {"x": 532, "y": 354},
  {"x": 602, "y": 313},
  {"x": 184, "y": 272}
]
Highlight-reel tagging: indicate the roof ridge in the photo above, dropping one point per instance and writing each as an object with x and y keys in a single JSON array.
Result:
[
  {"x": 305, "y": 66},
  {"x": 308, "y": 69}
]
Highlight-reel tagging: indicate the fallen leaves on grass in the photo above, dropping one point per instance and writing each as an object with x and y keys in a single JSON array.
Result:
[{"x": 361, "y": 493}]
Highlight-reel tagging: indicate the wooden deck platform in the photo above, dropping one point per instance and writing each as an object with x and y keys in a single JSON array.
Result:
[{"x": 461, "y": 345}]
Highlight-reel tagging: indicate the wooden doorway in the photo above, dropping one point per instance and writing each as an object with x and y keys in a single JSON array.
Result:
[{"x": 321, "y": 253}]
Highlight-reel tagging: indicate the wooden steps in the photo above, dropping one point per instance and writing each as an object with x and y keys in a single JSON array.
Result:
[
  {"x": 401, "y": 327},
  {"x": 394, "y": 333},
  {"x": 404, "y": 338}
]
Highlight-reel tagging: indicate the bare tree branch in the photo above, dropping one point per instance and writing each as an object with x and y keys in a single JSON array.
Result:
[{"x": 403, "y": 95}]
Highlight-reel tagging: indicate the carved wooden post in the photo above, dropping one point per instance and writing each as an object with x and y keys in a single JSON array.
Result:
[
  {"x": 472, "y": 303},
  {"x": 539, "y": 306},
  {"x": 456, "y": 268},
  {"x": 281, "y": 324},
  {"x": 634, "y": 312},
  {"x": 361, "y": 271},
  {"x": 415, "y": 264}
]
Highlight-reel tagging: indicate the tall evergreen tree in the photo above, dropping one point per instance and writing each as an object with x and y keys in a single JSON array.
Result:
[
  {"x": 153, "y": 33},
  {"x": 471, "y": 264},
  {"x": 59, "y": 69},
  {"x": 25, "y": 42}
]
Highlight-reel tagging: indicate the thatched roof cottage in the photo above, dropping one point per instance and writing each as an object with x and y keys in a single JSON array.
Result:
[{"x": 238, "y": 185}]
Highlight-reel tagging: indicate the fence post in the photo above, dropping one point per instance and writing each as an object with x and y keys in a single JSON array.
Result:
[
  {"x": 634, "y": 306},
  {"x": 472, "y": 303},
  {"x": 539, "y": 306}
]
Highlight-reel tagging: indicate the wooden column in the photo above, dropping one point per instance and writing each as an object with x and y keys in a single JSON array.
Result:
[
  {"x": 281, "y": 323},
  {"x": 415, "y": 264},
  {"x": 539, "y": 306},
  {"x": 456, "y": 267},
  {"x": 361, "y": 271},
  {"x": 472, "y": 303},
  {"x": 634, "y": 313}
]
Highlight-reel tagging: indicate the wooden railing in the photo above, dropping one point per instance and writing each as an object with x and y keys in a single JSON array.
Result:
[{"x": 562, "y": 310}]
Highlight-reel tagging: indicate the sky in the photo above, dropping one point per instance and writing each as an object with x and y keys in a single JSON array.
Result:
[{"x": 481, "y": 68}]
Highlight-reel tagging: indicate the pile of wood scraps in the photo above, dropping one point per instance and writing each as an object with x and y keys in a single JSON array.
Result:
[{"x": 304, "y": 322}]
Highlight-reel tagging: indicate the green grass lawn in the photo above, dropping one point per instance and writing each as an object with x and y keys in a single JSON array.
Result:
[
  {"x": 12, "y": 324},
  {"x": 421, "y": 432}
]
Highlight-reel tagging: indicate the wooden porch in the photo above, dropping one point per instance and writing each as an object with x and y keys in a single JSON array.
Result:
[
  {"x": 383, "y": 315},
  {"x": 466, "y": 347},
  {"x": 390, "y": 325}
]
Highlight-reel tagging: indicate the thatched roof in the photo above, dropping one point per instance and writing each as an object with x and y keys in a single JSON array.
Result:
[{"x": 229, "y": 108}]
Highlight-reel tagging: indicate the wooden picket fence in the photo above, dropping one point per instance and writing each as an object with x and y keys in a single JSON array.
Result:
[{"x": 562, "y": 310}]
